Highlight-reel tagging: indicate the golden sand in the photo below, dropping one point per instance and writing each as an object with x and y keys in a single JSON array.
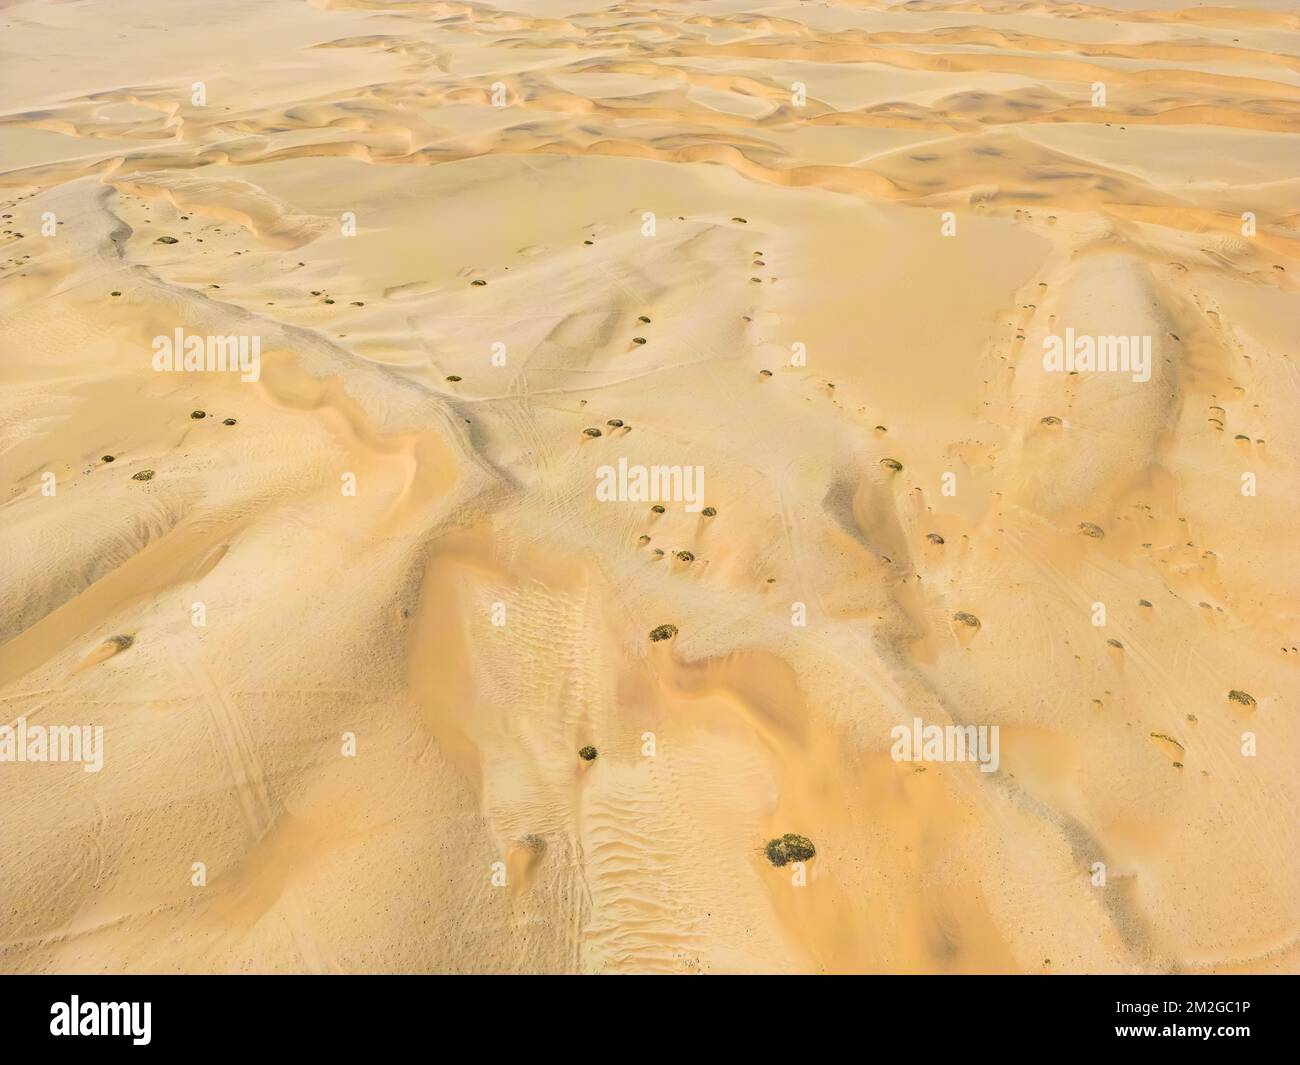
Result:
[{"x": 345, "y": 649}]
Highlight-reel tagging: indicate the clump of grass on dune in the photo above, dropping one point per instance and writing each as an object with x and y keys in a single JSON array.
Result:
[{"x": 789, "y": 848}]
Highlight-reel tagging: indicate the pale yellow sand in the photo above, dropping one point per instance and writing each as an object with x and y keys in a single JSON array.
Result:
[{"x": 373, "y": 615}]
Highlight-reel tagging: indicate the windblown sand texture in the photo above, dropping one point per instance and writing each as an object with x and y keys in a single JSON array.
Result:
[{"x": 775, "y": 225}]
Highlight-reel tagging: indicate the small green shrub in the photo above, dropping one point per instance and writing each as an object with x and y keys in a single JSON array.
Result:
[{"x": 789, "y": 848}]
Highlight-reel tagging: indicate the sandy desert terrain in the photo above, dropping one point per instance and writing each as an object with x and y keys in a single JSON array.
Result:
[{"x": 346, "y": 624}]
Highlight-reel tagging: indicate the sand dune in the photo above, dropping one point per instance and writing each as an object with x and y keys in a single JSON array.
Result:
[{"x": 346, "y": 622}]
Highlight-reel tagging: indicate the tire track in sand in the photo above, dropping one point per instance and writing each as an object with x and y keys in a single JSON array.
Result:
[{"x": 249, "y": 779}]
